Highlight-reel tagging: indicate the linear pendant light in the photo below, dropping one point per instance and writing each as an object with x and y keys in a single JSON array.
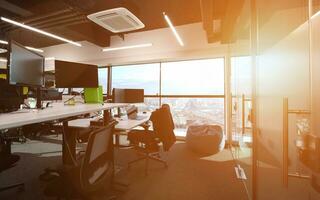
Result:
[
  {"x": 34, "y": 49},
  {"x": 3, "y": 42},
  {"x": 30, "y": 48},
  {"x": 175, "y": 33},
  {"x": 40, "y": 31},
  {"x": 127, "y": 47},
  {"x": 50, "y": 58}
]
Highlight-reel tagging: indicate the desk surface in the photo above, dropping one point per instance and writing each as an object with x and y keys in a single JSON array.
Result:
[
  {"x": 57, "y": 111},
  {"x": 123, "y": 125}
]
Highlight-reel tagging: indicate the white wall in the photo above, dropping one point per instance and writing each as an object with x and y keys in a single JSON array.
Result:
[{"x": 165, "y": 47}]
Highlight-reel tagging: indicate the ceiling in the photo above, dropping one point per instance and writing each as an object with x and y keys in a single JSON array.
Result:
[
  {"x": 67, "y": 18},
  {"x": 222, "y": 20}
]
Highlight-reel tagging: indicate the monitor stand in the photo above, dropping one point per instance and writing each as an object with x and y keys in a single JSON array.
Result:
[
  {"x": 118, "y": 113},
  {"x": 39, "y": 102}
]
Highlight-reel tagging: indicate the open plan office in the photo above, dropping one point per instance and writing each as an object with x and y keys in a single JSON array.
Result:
[{"x": 160, "y": 99}]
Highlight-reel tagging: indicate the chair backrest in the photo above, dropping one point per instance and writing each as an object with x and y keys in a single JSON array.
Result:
[
  {"x": 163, "y": 126},
  {"x": 97, "y": 167}
]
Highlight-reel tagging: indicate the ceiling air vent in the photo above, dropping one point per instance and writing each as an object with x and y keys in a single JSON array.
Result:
[{"x": 117, "y": 20}]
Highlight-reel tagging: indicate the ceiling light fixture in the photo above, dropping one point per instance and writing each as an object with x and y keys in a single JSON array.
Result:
[
  {"x": 34, "y": 49},
  {"x": 3, "y": 50},
  {"x": 315, "y": 15},
  {"x": 128, "y": 47},
  {"x": 40, "y": 31},
  {"x": 175, "y": 33},
  {"x": 3, "y": 42},
  {"x": 3, "y": 60},
  {"x": 50, "y": 58}
]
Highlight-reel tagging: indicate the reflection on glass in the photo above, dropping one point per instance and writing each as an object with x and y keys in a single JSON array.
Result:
[{"x": 144, "y": 76}]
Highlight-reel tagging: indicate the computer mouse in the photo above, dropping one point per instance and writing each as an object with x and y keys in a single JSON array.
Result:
[{"x": 144, "y": 112}]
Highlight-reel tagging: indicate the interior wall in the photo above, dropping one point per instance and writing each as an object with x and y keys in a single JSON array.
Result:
[{"x": 165, "y": 48}]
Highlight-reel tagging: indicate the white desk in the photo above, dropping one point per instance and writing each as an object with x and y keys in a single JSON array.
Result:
[
  {"x": 124, "y": 124},
  {"x": 57, "y": 111}
]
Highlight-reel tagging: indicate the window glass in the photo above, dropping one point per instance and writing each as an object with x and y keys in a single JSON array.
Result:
[
  {"x": 103, "y": 79},
  {"x": 192, "y": 111},
  {"x": 143, "y": 76},
  {"x": 194, "y": 77}
]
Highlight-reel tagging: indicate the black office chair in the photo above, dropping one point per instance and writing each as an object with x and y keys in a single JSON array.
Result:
[
  {"x": 7, "y": 161},
  {"x": 147, "y": 142},
  {"x": 92, "y": 172}
]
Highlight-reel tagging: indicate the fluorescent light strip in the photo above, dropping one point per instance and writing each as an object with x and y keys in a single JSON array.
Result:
[
  {"x": 127, "y": 47},
  {"x": 34, "y": 49},
  {"x": 3, "y": 60},
  {"x": 3, "y": 42},
  {"x": 315, "y": 15},
  {"x": 40, "y": 31},
  {"x": 3, "y": 50},
  {"x": 50, "y": 58},
  {"x": 175, "y": 33}
]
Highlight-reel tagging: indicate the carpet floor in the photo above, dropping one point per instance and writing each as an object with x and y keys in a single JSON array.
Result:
[{"x": 188, "y": 176}]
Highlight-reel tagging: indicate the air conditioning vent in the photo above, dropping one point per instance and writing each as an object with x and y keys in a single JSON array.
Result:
[{"x": 117, "y": 20}]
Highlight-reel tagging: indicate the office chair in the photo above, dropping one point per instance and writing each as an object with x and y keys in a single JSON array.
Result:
[
  {"x": 92, "y": 171},
  {"x": 7, "y": 161},
  {"x": 147, "y": 142}
]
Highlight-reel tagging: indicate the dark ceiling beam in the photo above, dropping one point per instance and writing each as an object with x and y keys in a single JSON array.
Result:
[
  {"x": 46, "y": 16},
  {"x": 233, "y": 11},
  {"x": 63, "y": 23},
  {"x": 92, "y": 33},
  {"x": 14, "y": 9},
  {"x": 49, "y": 20},
  {"x": 207, "y": 14}
]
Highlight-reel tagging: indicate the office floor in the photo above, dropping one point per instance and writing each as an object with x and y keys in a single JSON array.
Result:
[{"x": 188, "y": 176}]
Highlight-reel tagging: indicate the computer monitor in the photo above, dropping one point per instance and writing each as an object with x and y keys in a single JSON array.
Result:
[
  {"x": 75, "y": 75},
  {"x": 25, "y": 67},
  {"x": 127, "y": 95}
]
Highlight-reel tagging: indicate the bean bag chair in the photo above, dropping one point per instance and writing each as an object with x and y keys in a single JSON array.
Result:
[{"x": 205, "y": 139}]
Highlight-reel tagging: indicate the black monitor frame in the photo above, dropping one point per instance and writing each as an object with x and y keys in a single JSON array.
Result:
[
  {"x": 9, "y": 66},
  {"x": 63, "y": 65},
  {"x": 125, "y": 98}
]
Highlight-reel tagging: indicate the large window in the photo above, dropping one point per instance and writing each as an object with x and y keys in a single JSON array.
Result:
[
  {"x": 195, "y": 77},
  {"x": 191, "y": 111},
  {"x": 103, "y": 78},
  {"x": 194, "y": 89},
  {"x": 144, "y": 76}
]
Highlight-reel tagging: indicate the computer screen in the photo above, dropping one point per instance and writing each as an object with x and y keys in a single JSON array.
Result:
[
  {"x": 127, "y": 95},
  {"x": 25, "y": 67},
  {"x": 75, "y": 75}
]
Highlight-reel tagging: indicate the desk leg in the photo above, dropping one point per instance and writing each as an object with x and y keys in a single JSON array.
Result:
[
  {"x": 117, "y": 140},
  {"x": 69, "y": 138}
]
